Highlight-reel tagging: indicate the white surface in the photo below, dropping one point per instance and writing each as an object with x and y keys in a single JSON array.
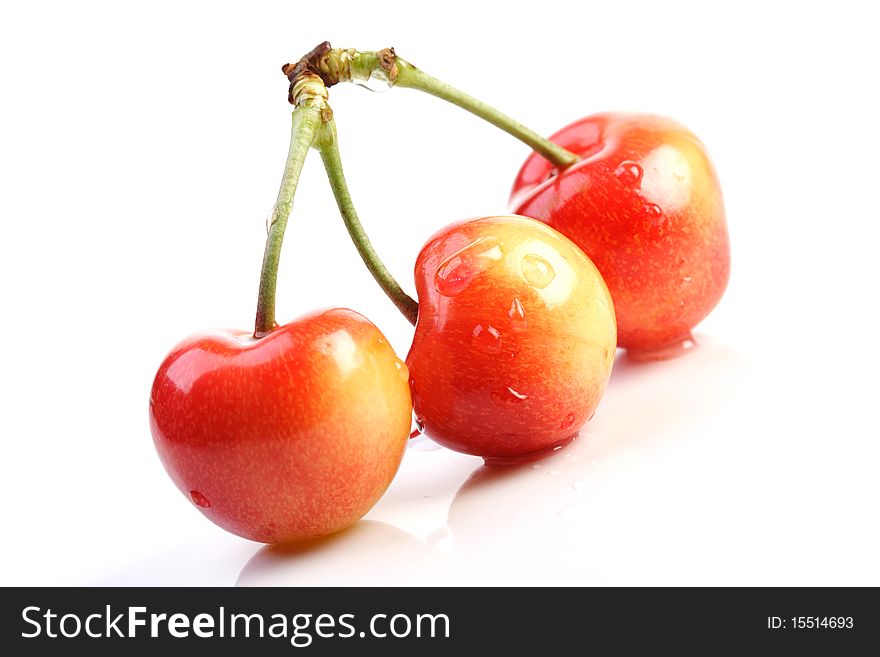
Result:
[{"x": 140, "y": 152}]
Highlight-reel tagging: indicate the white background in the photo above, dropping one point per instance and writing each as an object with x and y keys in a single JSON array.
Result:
[{"x": 141, "y": 147}]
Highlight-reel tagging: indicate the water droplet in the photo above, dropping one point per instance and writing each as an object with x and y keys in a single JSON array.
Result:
[
  {"x": 199, "y": 500},
  {"x": 418, "y": 430},
  {"x": 377, "y": 82},
  {"x": 629, "y": 173},
  {"x": 402, "y": 369},
  {"x": 687, "y": 279},
  {"x": 493, "y": 252},
  {"x": 517, "y": 315},
  {"x": 453, "y": 277},
  {"x": 568, "y": 421},
  {"x": 537, "y": 271},
  {"x": 508, "y": 395},
  {"x": 486, "y": 338},
  {"x": 459, "y": 270},
  {"x": 654, "y": 213},
  {"x": 602, "y": 301}
]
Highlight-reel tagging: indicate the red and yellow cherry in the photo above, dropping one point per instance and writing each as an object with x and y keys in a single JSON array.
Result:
[
  {"x": 645, "y": 205},
  {"x": 515, "y": 338},
  {"x": 290, "y": 436}
]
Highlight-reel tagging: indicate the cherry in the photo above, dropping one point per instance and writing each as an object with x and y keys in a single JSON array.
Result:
[
  {"x": 515, "y": 338},
  {"x": 289, "y": 436},
  {"x": 645, "y": 205}
]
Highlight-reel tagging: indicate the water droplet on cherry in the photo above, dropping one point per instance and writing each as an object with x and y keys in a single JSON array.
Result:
[
  {"x": 686, "y": 279},
  {"x": 486, "y": 338},
  {"x": 459, "y": 269},
  {"x": 199, "y": 500},
  {"x": 492, "y": 252},
  {"x": 453, "y": 276},
  {"x": 402, "y": 369},
  {"x": 654, "y": 213},
  {"x": 419, "y": 428},
  {"x": 629, "y": 173},
  {"x": 507, "y": 395},
  {"x": 517, "y": 315},
  {"x": 537, "y": 271}
]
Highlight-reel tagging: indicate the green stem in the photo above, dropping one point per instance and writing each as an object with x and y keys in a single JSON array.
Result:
[
  {"x": 413, "y": 78},
  {"x": 306, "y": 121},
  {"x": 326, "y": 143},
  {"x": 343, "y": 65}
]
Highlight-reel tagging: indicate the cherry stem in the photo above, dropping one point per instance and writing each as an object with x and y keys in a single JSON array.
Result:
[
  {"x": 327, "y": 144},
  {"x": 335, "y": 65},
  {"x": 306, "y": 121},
  {"x": 413, "y": 78}
]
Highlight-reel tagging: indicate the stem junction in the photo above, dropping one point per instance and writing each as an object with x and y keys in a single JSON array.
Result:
[{"x": 334, "y": 65}]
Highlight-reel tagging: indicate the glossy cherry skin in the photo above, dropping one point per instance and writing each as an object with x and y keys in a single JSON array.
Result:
[
  {"x": 290, "y": 436},
  {"x": 514, "y": 341},
  {"x": 645, "y": 205}
]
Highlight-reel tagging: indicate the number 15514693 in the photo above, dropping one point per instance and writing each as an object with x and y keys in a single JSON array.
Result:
[{"x": 810, "y": 623}]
